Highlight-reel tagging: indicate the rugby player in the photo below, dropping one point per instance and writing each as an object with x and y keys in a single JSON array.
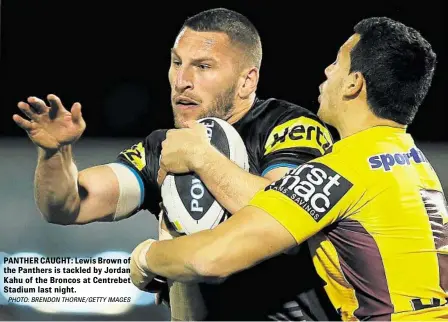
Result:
[
  {"x": 372, "y": 210},
  {"x": 214, "y": 71}
]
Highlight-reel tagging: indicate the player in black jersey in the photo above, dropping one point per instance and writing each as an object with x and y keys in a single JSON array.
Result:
[
  {"x": 277, "y": 134},
  {"x": 214, "y": 72}
]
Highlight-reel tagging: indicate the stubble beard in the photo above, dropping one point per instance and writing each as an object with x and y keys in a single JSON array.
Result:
[{"x": 221, "y": 108}]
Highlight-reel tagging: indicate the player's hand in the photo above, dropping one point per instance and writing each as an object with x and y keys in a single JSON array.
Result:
[
  {"x": 140, "y": 274},
  {"x": 50, "y": 127},
  {"x": 161, "y": 175},
  {"x": 162, "y": 297},
  {"x": 184, "y": 150}
]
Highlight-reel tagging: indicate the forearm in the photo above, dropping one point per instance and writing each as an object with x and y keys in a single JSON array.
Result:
[
  {"x": 55, "y": 185},
  {"x": 232, "y": 186},
  {"x": 212, "y": 255},
  {"x": 174, "y": 259}
]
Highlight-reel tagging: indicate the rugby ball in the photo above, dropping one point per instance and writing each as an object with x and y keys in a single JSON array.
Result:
[{"x": 188, "y": 205}]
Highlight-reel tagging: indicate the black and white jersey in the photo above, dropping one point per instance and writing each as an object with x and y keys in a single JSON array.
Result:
[{"x": 277, "y": 134}]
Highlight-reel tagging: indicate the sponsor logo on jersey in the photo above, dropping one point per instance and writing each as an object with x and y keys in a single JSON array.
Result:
[
  {"x": 136, "y": 155},
  {"x": 297, "y": 133},
  {"x": 387, "y": 161},
  {"x": 314, "y": 187}
]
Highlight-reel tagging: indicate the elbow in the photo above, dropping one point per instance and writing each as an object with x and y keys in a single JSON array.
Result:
[
  {"x": 59, "y": 215},
  {"x": 57, "y": 221},
  {"x": 60, "y": 219}
]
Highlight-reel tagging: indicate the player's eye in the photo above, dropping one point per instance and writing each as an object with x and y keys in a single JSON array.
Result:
[
  {"x": 176, "y": 62},
  {"x": 203, "y": 66}
]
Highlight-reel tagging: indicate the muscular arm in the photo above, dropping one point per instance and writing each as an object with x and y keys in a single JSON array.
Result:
[
  {"x": 62, "y": 195},
  {"x": 230, "y": 185},
  {"x": 232, "y": 246},
  {"x": 65, "y": 197}
]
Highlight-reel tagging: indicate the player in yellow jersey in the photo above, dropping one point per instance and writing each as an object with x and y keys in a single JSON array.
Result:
[{"x": 372, "y": 210}]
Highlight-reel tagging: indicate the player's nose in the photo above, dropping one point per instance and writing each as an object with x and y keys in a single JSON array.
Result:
[{"x": 184, "y": 80}]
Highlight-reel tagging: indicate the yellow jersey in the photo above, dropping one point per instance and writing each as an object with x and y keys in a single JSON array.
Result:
[{"x": 376, "y": 221}]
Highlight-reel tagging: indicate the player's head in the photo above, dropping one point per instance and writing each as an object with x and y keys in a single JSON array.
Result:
[
  {"x": 385, "y": 65},
  {"x": 215, "y": 65}
]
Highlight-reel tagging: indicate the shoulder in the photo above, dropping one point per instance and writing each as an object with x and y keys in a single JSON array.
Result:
[
  {"x": 282, "y": 108},
  {"x": 293, "y": 125},
  {"x": 349, "y": 166},
  {"x": 290, "y": 115},
  {"x": 143, "y": 151}
]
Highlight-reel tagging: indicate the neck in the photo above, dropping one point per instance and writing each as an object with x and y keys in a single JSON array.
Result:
[
  {"x": 363, "y": 121},
  {"x": 241, "y": 109}
]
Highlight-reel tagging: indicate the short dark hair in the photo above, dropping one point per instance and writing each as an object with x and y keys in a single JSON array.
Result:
[
  {"x": 398, "y": 65},
  {"x": 238, "y": 28}
]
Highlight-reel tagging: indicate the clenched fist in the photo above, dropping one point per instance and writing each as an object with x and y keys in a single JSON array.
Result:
[{"x": 184, "y": 150}]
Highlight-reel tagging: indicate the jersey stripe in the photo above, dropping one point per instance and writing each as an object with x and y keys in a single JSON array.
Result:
[
  {"x": 278, "y": 165},
  {"x": 361, "y": 257},
  {"x": 139, "y": 179},
  {"x": 437, "y": 211}
]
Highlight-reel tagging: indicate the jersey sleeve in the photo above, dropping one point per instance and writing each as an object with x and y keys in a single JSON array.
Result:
[
  {"x": 294, "y": 140},
  {"x": 142, "y": 159},
  {"x": 309, "y": 198}
]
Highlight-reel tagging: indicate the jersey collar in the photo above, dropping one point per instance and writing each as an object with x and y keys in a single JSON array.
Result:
[{"x": 372, "y": 134}]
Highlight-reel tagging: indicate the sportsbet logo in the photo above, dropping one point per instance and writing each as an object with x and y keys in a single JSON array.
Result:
[
  {"x": 299, "y": 132},
  {"x": 136, "y": 155},
  {"x": 314, "y": 187},
  {"x": 387, "y": 161}
]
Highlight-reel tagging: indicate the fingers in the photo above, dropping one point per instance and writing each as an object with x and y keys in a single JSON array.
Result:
[
  {"x": 169, "y": 133},
  {"x": 162, "y": 166},
  {"x": 196, "y": 126},
  {"x": 55, "y": 102},
  {"x": 157, "y": 299},
  {"x": 76, "y": 113},
  {"x": 21, "y": 122},
  {"x": 38, "y": 105},
  {"x": 161, "y": 176},
  {"x": 56, "y": 105},
  {"x": 26, "y": 109},
  {"x": 191, "y": 124}
]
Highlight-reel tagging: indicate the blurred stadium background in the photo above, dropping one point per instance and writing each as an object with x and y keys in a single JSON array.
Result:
[{"x": 114, "y": 58}]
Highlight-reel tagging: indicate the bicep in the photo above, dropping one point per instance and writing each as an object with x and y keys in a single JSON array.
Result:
[{"x": 108, "y": 193}]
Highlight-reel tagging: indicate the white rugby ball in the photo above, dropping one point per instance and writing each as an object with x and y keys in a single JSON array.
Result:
[{"x": 189, "y": 206}]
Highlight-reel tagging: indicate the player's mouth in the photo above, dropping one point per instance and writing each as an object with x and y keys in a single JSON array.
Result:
[{"x": 184, "y": 103}]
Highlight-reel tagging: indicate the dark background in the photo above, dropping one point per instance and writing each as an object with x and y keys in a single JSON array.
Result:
[{"x": 113, "y": 57}]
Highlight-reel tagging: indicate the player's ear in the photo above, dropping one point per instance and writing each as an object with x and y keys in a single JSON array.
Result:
[
  {"x": 353, "y": 85},
  {"x": 249, "y": 82}
]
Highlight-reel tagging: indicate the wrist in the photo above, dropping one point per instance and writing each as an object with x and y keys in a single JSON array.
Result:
[
  {"x": 46, "y": 154},
  {"x": 142, "y": 262}
]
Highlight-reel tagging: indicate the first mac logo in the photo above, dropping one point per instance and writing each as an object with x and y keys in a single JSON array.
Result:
[{"x": 314, "y": 187}]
